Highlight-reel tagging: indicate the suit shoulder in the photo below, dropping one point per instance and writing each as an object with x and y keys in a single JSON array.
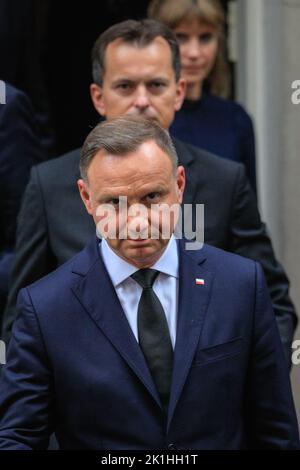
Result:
[
  {"x": 69, "y": 162},
  {"x": 212, "y": 164},
  {"x": 18, "y": 106},
  {"x": 13, "y": 93},
  {"x": 57, "y": 173},
  {"x": 234, "y": 275},
  {"x": 227, "y": 262},
  {"x": 54, "y": 285}
]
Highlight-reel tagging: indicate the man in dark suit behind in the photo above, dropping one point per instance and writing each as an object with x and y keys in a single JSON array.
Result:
[
  {"x": 136, "y": 70},
  {"x": 19, "y": 149},
  {"x": 163, "y": 348}
]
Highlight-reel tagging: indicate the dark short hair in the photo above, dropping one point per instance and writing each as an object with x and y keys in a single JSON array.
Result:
[
  {"x": 140, "y": 33},
  {"x": 123, "y": 135}
]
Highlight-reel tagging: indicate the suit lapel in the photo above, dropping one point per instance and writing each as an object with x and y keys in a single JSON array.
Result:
[
  {"x": 97, "y": 295},
  {"x": 192, "y": 305}
]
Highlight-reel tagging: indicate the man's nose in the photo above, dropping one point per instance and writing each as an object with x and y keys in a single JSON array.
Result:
[
  {"x": 141, "y": 98},
  {"x": 138, "y": 227}
]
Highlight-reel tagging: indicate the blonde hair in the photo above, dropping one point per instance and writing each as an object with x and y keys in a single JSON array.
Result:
[{"x": 210, "y": 12}]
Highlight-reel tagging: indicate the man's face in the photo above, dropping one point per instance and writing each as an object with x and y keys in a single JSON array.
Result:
[
  {"x": 146, "y": 177},
  {"x": 139, "y": 81}
]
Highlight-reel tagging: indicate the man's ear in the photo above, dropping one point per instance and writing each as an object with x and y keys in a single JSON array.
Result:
[
  {"x": 180, "y": 93},
  {"x": 180, "y": 183},
  {"x": 96, "y": 93},
  {"x": 85, "y": 195}
]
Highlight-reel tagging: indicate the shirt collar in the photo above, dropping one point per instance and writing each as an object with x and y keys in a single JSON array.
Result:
[{"x": 119, "y": 269}]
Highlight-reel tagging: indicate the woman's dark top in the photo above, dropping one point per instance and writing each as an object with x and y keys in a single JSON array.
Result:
[{"x": 219, "y": 126}]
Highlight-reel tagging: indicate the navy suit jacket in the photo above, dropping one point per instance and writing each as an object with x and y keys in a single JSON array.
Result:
[
  {"x": 75, "y": 367},
  {"x": 19, "y": 150}
]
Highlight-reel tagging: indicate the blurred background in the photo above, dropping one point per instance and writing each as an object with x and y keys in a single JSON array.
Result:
[{"x": 45, "y": 51}]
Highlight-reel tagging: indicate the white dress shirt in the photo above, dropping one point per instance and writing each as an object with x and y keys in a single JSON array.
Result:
[{"x": 129, "y": 291}]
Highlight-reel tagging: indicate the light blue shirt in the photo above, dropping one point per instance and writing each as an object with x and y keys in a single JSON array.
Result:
[{"x": 129, "y": 291}]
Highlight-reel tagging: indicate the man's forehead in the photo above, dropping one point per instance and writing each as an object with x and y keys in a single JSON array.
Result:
[
  {"x": 117, "y": 46},
  {"x": 148, "y": 151},
  {"x": 142, "y": 180},
  {"x": 147, "y": 160},
  {"x": 119, "y": 186}
]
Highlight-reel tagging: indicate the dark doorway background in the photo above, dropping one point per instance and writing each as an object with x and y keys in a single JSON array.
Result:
[
  {"x": 45, "y": 50},
  {"x": 72, "y": 33}
]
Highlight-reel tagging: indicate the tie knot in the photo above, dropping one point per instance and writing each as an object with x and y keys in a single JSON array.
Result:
[{"x": 145, "y": 277}]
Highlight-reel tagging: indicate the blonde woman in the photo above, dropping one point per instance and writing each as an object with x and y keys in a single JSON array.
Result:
[{"x": 208, "y": 119}]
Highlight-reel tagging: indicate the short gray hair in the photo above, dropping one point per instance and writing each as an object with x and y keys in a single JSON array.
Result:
[{"x": 123, "y": 135}]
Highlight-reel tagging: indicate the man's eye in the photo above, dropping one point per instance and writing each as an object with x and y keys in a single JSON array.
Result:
[
  {"x": 115, "y": 201},
  {"x": 157, "y": 87},
  {"x": 123, "y": 86},
  {"x": 153, "y": 196}
]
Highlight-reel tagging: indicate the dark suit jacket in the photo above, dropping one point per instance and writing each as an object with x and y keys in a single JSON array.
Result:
[
  {"x": 53, "y": 224},
  {"x": 75, "y": 367},
  {"x": 19, "y": 150}
]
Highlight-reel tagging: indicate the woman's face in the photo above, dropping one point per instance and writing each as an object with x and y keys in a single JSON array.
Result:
[{"x": 198, "y": 49}]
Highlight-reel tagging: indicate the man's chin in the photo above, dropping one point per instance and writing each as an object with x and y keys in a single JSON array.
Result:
[
  {"x": 145, "y": 116},
  {"x": 141, "y": 246},
  {"x": 139, "y": 241},
  {"x": 141, "y": 250}
]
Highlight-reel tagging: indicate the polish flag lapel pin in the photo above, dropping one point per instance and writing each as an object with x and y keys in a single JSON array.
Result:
[{"x": 200, "y": 282}]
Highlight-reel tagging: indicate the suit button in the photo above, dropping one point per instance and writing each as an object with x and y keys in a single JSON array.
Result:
[{"x": 172, "y": 447}]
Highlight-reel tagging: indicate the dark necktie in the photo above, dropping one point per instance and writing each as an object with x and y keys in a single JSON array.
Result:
[{"x": 154, "y": 335}]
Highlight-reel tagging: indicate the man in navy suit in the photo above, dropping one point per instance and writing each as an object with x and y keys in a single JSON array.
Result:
[
  {"x": 136, "y": 70},
  {"x": 136, "y": 342}
]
